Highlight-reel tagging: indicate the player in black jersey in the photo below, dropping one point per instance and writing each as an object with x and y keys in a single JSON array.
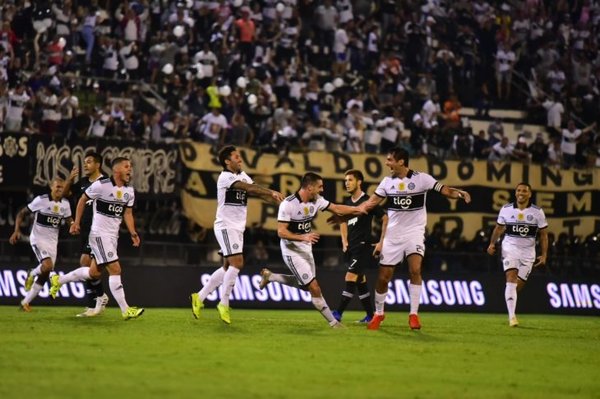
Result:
[
  {"x": 95, "y": 295},
  {"x": 359, "y": 247}
]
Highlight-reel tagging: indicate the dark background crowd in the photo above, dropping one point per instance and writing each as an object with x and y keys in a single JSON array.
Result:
[{"x": 303, "y": 75}]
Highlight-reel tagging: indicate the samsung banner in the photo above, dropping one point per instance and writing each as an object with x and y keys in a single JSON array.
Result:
[
  {"x": 570, "y": 199},
  {"x": 171, "y": 286}
]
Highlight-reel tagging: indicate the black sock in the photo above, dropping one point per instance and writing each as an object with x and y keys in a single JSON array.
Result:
[
  {"x": 365, "y": 297},
  {"x": 346, "y": 296},
  {"x": 90, "y": 293},
  {"x": 98, "y": 287}
]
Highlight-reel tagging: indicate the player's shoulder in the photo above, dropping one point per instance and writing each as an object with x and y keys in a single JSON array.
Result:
[
  {"x": 509, "y": 205},
  {"x": 291, "y": 198},
  {"x": 534, "y": 206},
  {"x": 44, "y": 196},
  {"x": 103, "y": 180}
]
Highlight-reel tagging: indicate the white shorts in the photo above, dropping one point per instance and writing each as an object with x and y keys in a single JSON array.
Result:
[
  {"x": 44, "y": 250},
  {"x": 104, "y": 249},
  {"x": 302, "y": 266},
  {"x": 230, "y": 241},
  {"x": 513, "y": 258},
  {"x": 395, "y": 250}
]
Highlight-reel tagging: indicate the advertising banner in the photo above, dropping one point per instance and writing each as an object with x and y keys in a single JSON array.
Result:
[
  {"x": 570, "y": 199},
  {"x": 473, "y": 292}
]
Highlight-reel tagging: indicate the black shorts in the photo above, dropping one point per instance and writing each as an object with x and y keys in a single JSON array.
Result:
[
  {"x": 84, "y": 243},
  {"x": 361, "y": 258}
]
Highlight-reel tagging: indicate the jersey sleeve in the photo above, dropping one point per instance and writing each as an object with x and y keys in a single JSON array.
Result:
[
  {"x": 36, "y": 204},
  {"x": 94, "y": 190},
  {"x": 429, "y": 183},
  {"x": 322, "y": 204},
  {"x": 131, "y": 201},
  {"x": 501, "y": 219},
  {"x": 67, "y": 206},
  {"x": 380, "y": 191},
  {"x": 542, "y": 222},
  {"x": 284, "y": 215}
]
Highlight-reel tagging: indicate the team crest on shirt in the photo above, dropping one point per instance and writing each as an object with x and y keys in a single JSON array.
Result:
[
  {"x": 520, "y": 216},
  {"x": 529, "y": 218},
  {"x": 401, "y": 186},
  {"x": 235, "y": 246},
  {"x": 110, "y": 254},
  {"x": 55, "y": 208},
  {"x": 304, "y": 276},
  {"x": 506, "y": 262},
  {"x": 119, "y": 194},
  {"x": 312, "y": 209},
  {"x": 411, "y": 186},
  {"x": 126, "y": 196}
]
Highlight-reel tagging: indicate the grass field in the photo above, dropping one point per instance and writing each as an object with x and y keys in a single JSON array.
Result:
[{"x": 294, "y": 354}]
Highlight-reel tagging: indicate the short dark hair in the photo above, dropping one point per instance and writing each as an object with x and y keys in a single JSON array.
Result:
[
  {"x": 358, "y": 175},
  {"x": 309, "y": 179},
  {"x": 399, "y": 154},
  {"x": 225, "y": 153},
  {"x": 524, "y": 184},
  {"x": 97, "y": 157},
  {"x": 117, "y": 161}
]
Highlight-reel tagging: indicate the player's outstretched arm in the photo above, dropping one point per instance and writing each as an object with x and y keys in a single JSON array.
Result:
[
  {"x": 456, "y": 193},
  {"x": 266, "y": 194},
  {"x": 496, "y": 234},
  {"x": 16, "y": 235}
]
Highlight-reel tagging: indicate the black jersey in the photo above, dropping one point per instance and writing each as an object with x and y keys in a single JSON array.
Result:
[
  {"x": 359, "y": 227},
  {"x": 78, "y": 190}
]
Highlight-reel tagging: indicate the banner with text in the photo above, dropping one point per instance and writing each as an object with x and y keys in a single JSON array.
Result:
[
  {"x": 570, "y": 199},
  {"x": 27, "y": 159}
]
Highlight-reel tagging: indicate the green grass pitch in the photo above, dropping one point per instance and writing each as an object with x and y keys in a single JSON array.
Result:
[{"x": 294, "y": 354}]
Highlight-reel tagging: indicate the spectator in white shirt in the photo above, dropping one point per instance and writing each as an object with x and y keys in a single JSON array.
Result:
[
  {"x": 554, "y": 111},
  {"x": 505, "y": 60},
  {"x": 502, "y": 151},
  {"x": 570, "y": 137},
  {"x": 17, "y": 99},
  {"x": 213, "y": 126}
]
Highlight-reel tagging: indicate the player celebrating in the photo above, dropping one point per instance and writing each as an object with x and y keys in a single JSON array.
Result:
[
  {"x": 357, "y": 244},
  {"x": 406, "y": 191},
  {"x": 48, "y": 211},
  {"x": 294, "y": 228},
  {"x": 233, "y": 186},
  {"x": 521, "y": 221},
  {"x": 96, "y": 298},
  {"x": 113, "y": 200}
]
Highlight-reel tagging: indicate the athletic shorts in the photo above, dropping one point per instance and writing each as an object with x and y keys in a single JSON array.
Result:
[
  {"x": 361, "y": 258},
  {"x": 395, "y": 250},
  {"x": 302, "y": 266},
  {"x": 104, "y": 249},
  {"x": 44, "y": 250},
  {"x": 230, "y": 241},
  {"x": 514, "y": 258}
]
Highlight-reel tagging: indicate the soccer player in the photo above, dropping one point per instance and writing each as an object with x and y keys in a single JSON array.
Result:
[
  {"x": 233, "y": 187},
  {"x": 406, "y": 193},
  {"x": 521, "y": 221},
  {"x": 294, "y": 228},
  {"x": 357, "y": 244},
  {"x": 96, "y": 297},
  {"x": 48, "y": 214},
  {"x": 113, "y": 201}
]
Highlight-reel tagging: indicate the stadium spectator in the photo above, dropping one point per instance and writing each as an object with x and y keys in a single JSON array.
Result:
[{"x": 538, "y": 150}]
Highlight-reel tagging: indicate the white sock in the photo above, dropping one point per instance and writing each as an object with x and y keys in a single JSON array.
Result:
[
  {"x": 33, "y": 292},
  {"x": 116, "y": 288},
  {"x": 415, "y": 295},
  {"x": 379, "y": 302},
  {"x": 510, "y": 296},
  {"x": 286, "y": 279},
  {"x": 80, "y": 274},
  {"x": 228, "y": 283},
  {"x": 216, "y": 279},
  {"x": 37, "y": 271},
  {"x": 321, "y": 305}
]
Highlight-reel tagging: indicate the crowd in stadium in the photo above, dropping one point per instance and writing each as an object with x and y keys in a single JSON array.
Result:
[
  {"x": 297, "y": 75},
  {"x": 357, "y": 76}
]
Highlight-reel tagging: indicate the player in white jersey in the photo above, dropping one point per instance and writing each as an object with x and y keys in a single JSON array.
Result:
[
  {"x": 48, "y": 212},
  {"x": 520, "y": 222},
  {"x": 233, "y": 187},
  {"x": 113, "y": 202},
  {"x": 406, "y": 193},
  {"x": 294, "y": 228}
]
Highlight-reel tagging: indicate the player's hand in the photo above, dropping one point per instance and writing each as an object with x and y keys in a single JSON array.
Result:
[
  {"x": 377, "y": 249},
  {"x": 491, "y": 249},
  {"x": 74, "y": 173},
  {"x": 14, "y": 237},
  {"x": 74, "y": 229},
  {"x": 135, "y": 239},
  {"x": 312, "y": 237},
  {"x": 464, "y": 195},
  {"x": 541, "y": 261},
  {"x": 277, "y": 196},
  {"x": 335, "y": 219},
  {"x": 344, "y": 247}
]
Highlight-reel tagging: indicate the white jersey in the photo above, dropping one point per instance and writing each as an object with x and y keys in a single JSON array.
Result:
[
  {"x": 110, "y": 202},
  {"x": 232, "y": 204},
  {"x": 521, "y": 226},
  {"x": 48, "y": 215},
  {"x": 299, "y": 216},
  {"x": 407, "y": 198}
]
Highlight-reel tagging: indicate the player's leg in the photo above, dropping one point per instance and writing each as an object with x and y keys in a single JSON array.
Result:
[
  {"x": 320, "y": 304},
  {"x": 416, "y": 283},
  {"x": 46, "y": 267},
  {"x": 350, "y": 281},
  {"x": 118, "y": 292},
  {"x": 386, "y": 272},
  {"x": 365, "y": 297},
  {"x": 215, "y": 280},
  {"x": 510, "y": 292}
]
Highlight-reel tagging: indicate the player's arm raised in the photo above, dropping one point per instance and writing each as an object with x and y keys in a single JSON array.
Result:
[
  {"x": 130, "y": 223},
  {"x": 496, "y": 234},
  {"x": 456, "y": 193},
  {"x": 266, "y": 194},
  {"x": 70, "y": 181},
  {"x": 16, "y": 235},
  {"x": 284, "y": 232}
]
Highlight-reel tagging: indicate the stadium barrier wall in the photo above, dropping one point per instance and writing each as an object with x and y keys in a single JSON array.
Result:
[{"x": 160, "y": 286}]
